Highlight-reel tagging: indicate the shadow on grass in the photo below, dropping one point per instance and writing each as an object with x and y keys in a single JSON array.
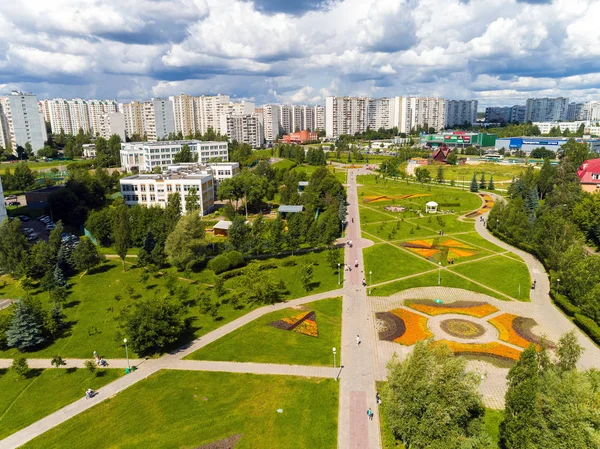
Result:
[
  {"x": 102, "y": 268},
  {"x": 73, "y": 303},
  {"x": 33, "y": 373},
  {"x": 71, "y": 370}
]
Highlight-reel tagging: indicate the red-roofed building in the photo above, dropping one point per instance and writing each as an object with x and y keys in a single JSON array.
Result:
[
  {"x": 300, "y": 137},
  {"x": 589, "y": 175},
  {"x": 441, "y": 153}
]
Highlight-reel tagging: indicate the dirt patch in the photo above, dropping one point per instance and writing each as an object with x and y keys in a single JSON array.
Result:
[{"x": 227, "y": 443}]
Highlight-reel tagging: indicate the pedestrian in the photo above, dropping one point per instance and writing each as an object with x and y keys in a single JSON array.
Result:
[
  {"x": 364, "y": 282},
  {"x": 352, "y": 219},
  {"x": 350, "y": 243},
  {"x": 357, "y": 340},
  {"x": 378, "y": 398},
  {"x": 370, "y": 414}
]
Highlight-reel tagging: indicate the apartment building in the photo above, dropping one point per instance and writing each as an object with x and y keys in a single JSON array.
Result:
[
  {"x": 209, "y": 109},
  {"x": 575, "y": 111},
  {"x": 345, "y": 115},
  {"x": 319, "y": 118},
  {"x": 110, "y": 124},
  {"x": 546, "y": 109},
  {"x": 154, "y": 189},
  {"x": 58, "y": 114},
  {"x": 381, "y": 112},
  {"x": 270, "y": 122},
  {"x": 590, "y": 111},
  {"x": 308, "y": 118},
  {"x": 133, "y": 114},
  {"x": 297, "y": 117},
  {"x": 545, "y": 127},
  {"x": 145, "y": 156},
  {"x": 21, "y": 121},
  {"x": 184, "y": 114},
  {"x": 244, "y": 128},
  {"x": 285, "y": 119},
  {"x": 426, "y": 112},
  {"x": 3, "y": 213},
  {"x": 460, "y": 112},
  {"x": 79, "y": 115}
]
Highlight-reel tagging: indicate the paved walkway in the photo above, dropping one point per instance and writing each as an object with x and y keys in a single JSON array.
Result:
[{"x": 357, "y": 383}]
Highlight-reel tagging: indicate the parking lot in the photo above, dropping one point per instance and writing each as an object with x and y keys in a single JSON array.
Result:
[{"x": 39, "y": 229}]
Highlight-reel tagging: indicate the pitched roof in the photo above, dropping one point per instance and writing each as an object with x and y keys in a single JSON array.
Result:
[
  {"x": 290, "y": 209},
  {"x": 587, "y": 169},
  {"x": 441, "y": 153}
]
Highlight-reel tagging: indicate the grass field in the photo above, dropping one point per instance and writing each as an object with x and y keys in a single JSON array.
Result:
[
  {"x": 187, "y": 409},
  {"x": 284, "y": 163},
  {"x": 388, "y": 262},
  {"x": 492, "y": 420},
  {"x": 391, "y": 230},
  {"x": 500, "y": 172},
  {"x": 97, "y": 299},
  {"x": 476, "y": 240},
  {"x": 35, "y": 166},
  {"x": 500, "y": 273},
  {"x": 261, "y": 343},
  {"x": 26, "y": 400}
]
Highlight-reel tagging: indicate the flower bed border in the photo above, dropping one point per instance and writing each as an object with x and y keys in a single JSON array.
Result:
[
  {"x": 469, "y": 308},
  {"x": 444, "y": 326},
  {"x": 508, "y": 332},
  {"x": 493, "y": 349}
]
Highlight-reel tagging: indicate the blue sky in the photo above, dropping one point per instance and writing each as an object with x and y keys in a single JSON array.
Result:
[{"x": 499, "y": 52}]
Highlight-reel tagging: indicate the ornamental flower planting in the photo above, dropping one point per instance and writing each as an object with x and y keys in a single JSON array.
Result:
[
  {"x": 429, "y": 247},
  {"x": 381, "y": 198},
  {"x": 493, "y": 349},
  {"x": 415, "y": 327},
  {"x": 462, "y": 328},
  {"x": 471, "y": 308},
  {"x": 489, "y": 203},
  {"x": 304, "y": 323},
  {"x": 515, "y": 330}
]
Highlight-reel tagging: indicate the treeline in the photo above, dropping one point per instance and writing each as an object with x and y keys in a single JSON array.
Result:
[
  {"x": 299, "y": 154},
  {"x": 550, "y": 216},
  {"x": 209, "y": 135}
]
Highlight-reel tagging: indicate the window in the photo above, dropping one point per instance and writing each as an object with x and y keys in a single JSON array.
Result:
[
  {"x": 151, "y": 188},
  {"x": 169, "y": 188},
  {"x": 596, "y": 176},
  {"x": 144, "y": 197},
  {"x": 143, "y": 187},
  {"x": 152, "y": 198},
  {"x": 178, "y": 188}
]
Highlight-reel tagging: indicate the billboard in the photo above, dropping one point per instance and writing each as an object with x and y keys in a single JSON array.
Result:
[{"x": 457, "y": 138}]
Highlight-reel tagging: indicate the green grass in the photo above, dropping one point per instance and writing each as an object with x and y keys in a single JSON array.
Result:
[
  {"x": 24, "y": 401},
  {"x": 112, "y": 250},
  {"x": 492, "y": 420},
  {"x": 475, "y": 239},
  {"x": 175, "y": 409},
  {"x": 372, "y": 216},
  {"x": 283, "y": 164},
  {"x": 388, "y": 262},
  {"x": 501, "y": 172},
  {"x": 35, "y": 166},
  {"x": 448, "y": 279},
  {"x": 97, "y": 299},
  {"x": 500, "y": 273},
  {"x": 447, "y": 223},
  {"x": 407, "y": 231},
  {"x": 261, "y": 343}
]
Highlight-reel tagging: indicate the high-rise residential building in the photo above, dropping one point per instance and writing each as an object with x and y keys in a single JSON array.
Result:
[
  {"x": 507, "y": 114},
  {"x": 184, "y": 114},
  {"x": 245, "y": 107},
  {"x": 345, "y": 115},
  {"x": 57, "y": 112},
  {"x": 271, "y": 122},
  {"x": 96, "y": 109},
  {"x": 297, "y": 118},
  {"x": 517, "y": 113},
  {"x": 3, "y": 213},
  {"x": 209, "y": 109},
  {"x": 546, "y": 109},
  {"x": 381, "y": 113},
  {"x": 285, "y": 119},
  {"x": 308, "y": 117},
  {"x": 164, "y": 121},
  {"x": 21, "y": 121},
  {"x": 319, "y": 118},
  {"x": 110, "y": 124},
  {"x": 133, "y": 114},
  {"x": 575, "y": 111},
  {"x": 425, "y": 112},
  {"x": 79, "y": 114},
  {"x": 590, "y": 110},
  {"x": 244, "y": 128},
  {"x": 460, "y": 112}
]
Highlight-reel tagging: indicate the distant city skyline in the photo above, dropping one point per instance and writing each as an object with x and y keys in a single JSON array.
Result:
[{"x": 268, "y": 51}]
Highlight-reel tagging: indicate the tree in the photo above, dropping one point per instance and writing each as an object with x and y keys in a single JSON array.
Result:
[
  {"x": 86, "y": 255},
  {"x": 306, "y": 275},
  {"x": 542, "y": 153},
  {"x": 440, "y": 175},
  {"x": 433, "y": 402},
  {"x": 452, "y": 158},
  {"x": 333, "y": 257},
  {"x": 20, "y": 366},
  {"x": 26, "y": 330},
  {"x": 13, "y": 248},
  {"x": 121, "y": 232},
  {"x": 474, "y": 187},
  {"x": 185, "y": 246},
  {"x": 569, "y": 352},
  {"x": 422, "y": 174},
  {"x": 185, "y": 155},
  {"x": 23, "y": 177},
  {"x": 238, "y": 234},
  {"x": 491, "y": 183},
  {"x": 546, "y": 178},
  {"x": 57, "y": 361},
  {"x": 219, "y": 286},
  {"x": 153, "y": 324},
  {"x": 90, "y": 365},
  {"x": 191, "y": 201},
  {"x": 482, "y": 181}
]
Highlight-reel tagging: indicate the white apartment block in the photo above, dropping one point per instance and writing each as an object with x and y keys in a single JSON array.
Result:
[
  {"x": 3, "y": 213},
  {"x": 89, "y": 150},
  {"x": 57, "y": 111},
  {"x": 285, "y": 119},
  {"x": 244, "y": 128},
  {"x": 133, "y": 114},
  {"x": 345, "y": 115},
  {"x": 381, "y": 112},
  {"x": 110, "y": 124},
  {"x": 308, "y": 117},
  {"x": 271, "y": 122},
  {"x": 154, "y": 189},
  {"x": 245, "y": 107},
  {"x": 297, "y": 117},
  {"x": 592, "y": 130},
  {"x": 209, "y": 110},
  {"x": 21, "y": 121},
  {"x": 70, "y": 116},
  {"x": 158, "y": 119},
  {"x": 145, "y": 156},
  {"x": 546, "y": 109},
  {"x": 319, "y": 118},
  {"x": 545, "y": 127},
  {"x": 591, "y": 111},
  {"x": 79, "y": 115},
  {"x": 183, "y": 114},
  {"x": 411, "y": 112},
  {"x": 459, "y": 112}
]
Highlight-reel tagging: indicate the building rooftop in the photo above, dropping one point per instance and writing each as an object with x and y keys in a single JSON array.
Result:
[
  {"x": 587, "y": 169},
  {"x": 184, "y": 171},
  {"x": 174, "y": 142},
  {"x": 223, "y": 224},
  {"x": 290, "y": 209}
]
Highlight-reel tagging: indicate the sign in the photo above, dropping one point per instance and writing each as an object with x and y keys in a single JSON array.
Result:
[
  {"x": 457, "y": 138},
  {"x": 540, "y": 142}
]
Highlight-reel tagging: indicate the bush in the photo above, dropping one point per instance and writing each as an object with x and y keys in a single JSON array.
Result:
[
  {"x": 232, "y": 273},
  {"x": 219, "y": 264},
  {"x": 267, "y": 266},
  {"x": 588, "y": 326},
  {"x": 236, "y": 259},
  {"x": 288, "y": 263},
  {"x": 565, "y": 305}
]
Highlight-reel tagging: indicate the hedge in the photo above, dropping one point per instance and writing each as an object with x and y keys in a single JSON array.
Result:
[
  {"x": 588, "y": 326},
  {"x": 219, "y": 264},
  {"x": 565, "y": 305}
]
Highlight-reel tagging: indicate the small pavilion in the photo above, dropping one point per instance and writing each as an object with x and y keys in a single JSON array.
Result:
[{"x": 431, "y": 207}]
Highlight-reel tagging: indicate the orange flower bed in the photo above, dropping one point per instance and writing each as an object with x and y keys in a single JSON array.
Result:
[
  {"x": 416, "y": 327},
  {"x": 504, "y": 324},
  {"x": 425, "y": 252},
  {"x": 477, "y": 311},
  {"x": 455, "y": 252},
  {"x": 453, "y": 244},
  {"x": 422, "y": 243},
  {"x": 294, "y": 319},
  {"x": 493, "y": 349},
  {"x": 307, "y": 327}
]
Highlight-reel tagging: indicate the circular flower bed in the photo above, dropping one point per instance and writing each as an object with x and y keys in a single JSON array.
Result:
[{"x": 462, "y": 328}]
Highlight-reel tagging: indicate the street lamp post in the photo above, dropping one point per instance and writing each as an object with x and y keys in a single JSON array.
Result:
[
  {"x": 127, "y": 355},
  {"x": 370, "y": 281},
  {"x": 339, "y": 275},
  {"x": 558, "y": 286},
  {"x": 440, "y": 273},
  {"x": 335, "y": 377},
  {"x": 463, "y": 183}
]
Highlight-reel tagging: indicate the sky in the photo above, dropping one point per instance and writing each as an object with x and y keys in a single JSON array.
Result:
[{"x": 499, "y": 52}]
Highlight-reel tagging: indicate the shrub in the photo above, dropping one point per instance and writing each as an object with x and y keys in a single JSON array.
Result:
[
  {"x": 588, "y": 326},
  {"x": 288, "y": 263},
  {"x": 236, "y": 259},
  {"x": 565, "y": 305},
  {"x": 220, "y": 264},
  {"x": 267, "y": 266},
  {"x": 232, "y": 273}
]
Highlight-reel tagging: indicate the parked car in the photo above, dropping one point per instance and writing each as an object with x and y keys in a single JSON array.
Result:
[
  {"x": 14, "y": 203},
  {"x": 50, "y": 226},
  {"x": 28, "y": 231},
  {"x": 46, "y": 220},
  {"x": 33, "y": 236},
  {"x": 11, "y": 197},
  {"x": 23, "y": 218}
]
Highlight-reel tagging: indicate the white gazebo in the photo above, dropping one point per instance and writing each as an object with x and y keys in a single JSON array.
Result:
[{"x": 431, "y": 207}]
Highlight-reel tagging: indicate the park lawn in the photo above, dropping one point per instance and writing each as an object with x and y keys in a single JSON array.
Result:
[
  {"x": 35, "y": 166},
  {"x": 261, "y": 343},
  {"x": 283, "y": 164},
  {"x": 134, "y": 251},
  {"x": 473, "y": 238},
  {"x": 444, "y": 257},
  {"x": 189, "y": 409},
  {"x": 492, "y": 420},
  {"x": 388, "y": 230},
  {"x": 500, "y": 172},
  {"x": 500, "y": 273},
  {"x": 368, "y": 215},
  {"x": 447, "y": 278},
  {"x": 388, "y": 262},
  {"x": 447, "y": 223},
  {"x": 24, "y": 401}
]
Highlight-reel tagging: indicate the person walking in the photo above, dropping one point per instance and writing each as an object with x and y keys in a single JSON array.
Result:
[
  {"x": 357, "y": 340},
  {"x": 370, "y": 414}
]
